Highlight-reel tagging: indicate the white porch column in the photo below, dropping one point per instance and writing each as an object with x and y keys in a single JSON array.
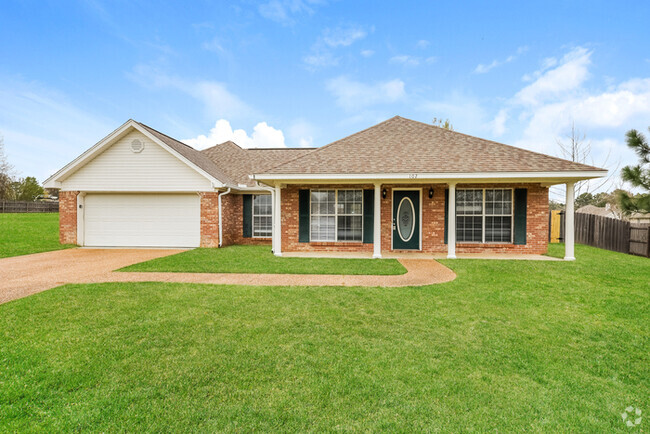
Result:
[
  {"x": 376, "y": 237},
  {"x": 451, "y": 223},
  {"x": 273, "y": 220},
  {"x": 569, "y": 231},
  {"x": 277, "y": 227}
]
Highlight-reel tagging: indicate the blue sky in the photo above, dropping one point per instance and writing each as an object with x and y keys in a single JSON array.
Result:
[{"x": 305, "y": 73}]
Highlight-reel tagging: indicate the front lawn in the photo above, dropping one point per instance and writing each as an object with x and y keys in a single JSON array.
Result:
[
  {"x": 259, "y": 259},
  {"x": 25, "y": 233},
  {"x": 508, "y": 346}
]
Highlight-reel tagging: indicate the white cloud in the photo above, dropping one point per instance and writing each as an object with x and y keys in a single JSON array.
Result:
[
  {"x": 408, "y": 60},
  {"x": 285, "y": 11},
  {"x": 320, "y": 59},
  {"x": 558, "y": 97},
  {"x": 405, "y": 60},
  {"x": 499, "y": 122},
  {"x": 352, "y": 94},
  {"x": 568, "y": 76},
  {"x": 301, "y": 133},
  {"x": 217, "y": 100},
  {"x": 485, "y": 68},
  {"x": 331, "y": 39},
  {"x": 263, "y": 136},
  {"x": 343, "y": 36},
  {"x": 367, "y": 53},
  {"x": 422, "y": 44},
  {"x": 607, "y": 110}
]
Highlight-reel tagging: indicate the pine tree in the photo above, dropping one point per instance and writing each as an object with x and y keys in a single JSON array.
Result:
[{"x": 638, "y": 176}]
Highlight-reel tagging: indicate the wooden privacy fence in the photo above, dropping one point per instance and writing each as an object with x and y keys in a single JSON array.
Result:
[
  {"x": 603, "y": 232},
  {"x": 7, "y": 206},
  {"x": 640, "y": 240}
]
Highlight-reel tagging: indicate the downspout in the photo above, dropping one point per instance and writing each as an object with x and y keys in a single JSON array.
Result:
[
  {"x": 220, "y": 219},
  {"x": 272, "y": 191}
]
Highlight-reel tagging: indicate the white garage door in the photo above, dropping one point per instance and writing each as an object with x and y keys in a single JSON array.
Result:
[{"x": 142, "y": 220}]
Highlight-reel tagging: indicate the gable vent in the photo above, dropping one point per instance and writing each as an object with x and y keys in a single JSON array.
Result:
[{"x": 137, "y": 145}]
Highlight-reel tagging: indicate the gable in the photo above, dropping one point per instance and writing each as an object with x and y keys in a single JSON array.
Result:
[{"x": 118, "y": 168}]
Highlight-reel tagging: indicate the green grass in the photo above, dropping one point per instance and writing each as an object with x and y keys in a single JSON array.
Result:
[
  {"x": 22, "y": 234},
  {"x": 508, "y": 346},
  {"x": 259, "y": 259}
]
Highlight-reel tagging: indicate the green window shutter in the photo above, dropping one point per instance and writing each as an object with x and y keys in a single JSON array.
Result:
[
  {"x": 520, "y": 215},
  {"x": 303, "y": 216},
  {"x": 368, "y": 215},
  {"x": 248, "y": 215},
  {"x": 446, "y": 212}
]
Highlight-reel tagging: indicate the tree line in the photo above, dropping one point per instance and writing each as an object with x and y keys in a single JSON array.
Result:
[{"x": 13, "y": 187}]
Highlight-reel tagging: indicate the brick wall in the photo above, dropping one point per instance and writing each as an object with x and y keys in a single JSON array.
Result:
[
  {"x": 290, "y": 225},
  {"x": 433, "y": 221},
  {"x": 68, "y": 217},
  {"x": 232, "y": 207},
  {"x": 209, "y": 219}
]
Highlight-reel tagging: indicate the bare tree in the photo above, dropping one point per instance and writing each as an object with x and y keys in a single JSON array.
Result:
[
  {"x": 577, "y": 148},
  {"x": 6, "y": 173}
]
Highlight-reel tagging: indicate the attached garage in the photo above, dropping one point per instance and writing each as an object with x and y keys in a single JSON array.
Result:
[{"x": 141, "y": 220}]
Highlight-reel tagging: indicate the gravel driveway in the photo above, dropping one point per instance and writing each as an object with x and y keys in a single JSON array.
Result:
[{"x": 21, "y": 276}]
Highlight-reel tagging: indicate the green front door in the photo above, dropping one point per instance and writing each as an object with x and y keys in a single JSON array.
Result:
[{"x": 406, "y": 219}]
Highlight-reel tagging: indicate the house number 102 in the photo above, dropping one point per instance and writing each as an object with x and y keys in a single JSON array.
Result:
[{"x": 413, "y": 175}]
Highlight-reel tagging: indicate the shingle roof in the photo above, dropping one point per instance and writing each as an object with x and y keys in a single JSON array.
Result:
[
  {"x": 596, "y": 210},
  {"x": 194, "y": 156},
  {"x": 239, "y": 163},
  {"x": 401, "y": 145}
]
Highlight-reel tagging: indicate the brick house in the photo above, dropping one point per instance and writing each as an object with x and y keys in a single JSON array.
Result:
[{"x": 391, "y": 187}]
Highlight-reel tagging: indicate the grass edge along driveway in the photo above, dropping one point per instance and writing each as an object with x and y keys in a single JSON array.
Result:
[
  {"x": 27, "y": 233},
  {"x": 508, "y": 346},
  {"x": 259, "y": 259}
]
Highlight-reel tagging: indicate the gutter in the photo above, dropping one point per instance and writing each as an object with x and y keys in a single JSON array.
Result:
[{"x": 220, "y": 218}]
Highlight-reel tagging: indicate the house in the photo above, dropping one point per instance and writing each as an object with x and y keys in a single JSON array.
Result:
[
  {"x": 615, "y": 213},
  {"x": 391, "y": 187},
  {"x": 607, "y": 211}
]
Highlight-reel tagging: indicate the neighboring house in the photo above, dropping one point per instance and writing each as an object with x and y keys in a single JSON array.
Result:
[
  {"x": 615, "y": 213},
  {"x": 387, "y": 188}
]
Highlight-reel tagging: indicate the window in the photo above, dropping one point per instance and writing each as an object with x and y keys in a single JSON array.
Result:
[
  {"x": 469, "y": 216},
  {"x": 498, "y": 216},
  {"x": 262, "y": 217},
  {"x": 336, "y": 215},
  {"x": 484, "y": 215}
]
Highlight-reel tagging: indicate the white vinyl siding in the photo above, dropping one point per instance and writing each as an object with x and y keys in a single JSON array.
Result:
[
  {"x": 118, "y": 168},
  {"x": 142, "y": 220}
]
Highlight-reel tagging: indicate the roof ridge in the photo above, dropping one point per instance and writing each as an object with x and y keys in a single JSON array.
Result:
[
  {"x": 333, "y": 143},
  {"x": 446, "y": 131},
  {"x": 286, "y": 148}
]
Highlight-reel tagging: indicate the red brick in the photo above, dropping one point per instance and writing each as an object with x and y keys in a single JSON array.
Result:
[
  {"x": 433, "y": 221},
  {"x": 68, "y": 217}
]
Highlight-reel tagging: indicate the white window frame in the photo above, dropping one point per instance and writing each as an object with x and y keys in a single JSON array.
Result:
[
  {"x": 336, "y": 215},
  {"x": 483, "y": 215},
  {"x": 253, "y": 215}
]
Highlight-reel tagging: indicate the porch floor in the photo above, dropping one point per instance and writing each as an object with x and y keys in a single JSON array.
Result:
[{"x": 420, "y": 255}]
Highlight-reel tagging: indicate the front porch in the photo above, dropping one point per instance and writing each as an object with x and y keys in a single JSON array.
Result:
[{"x": 492, "y": 220}]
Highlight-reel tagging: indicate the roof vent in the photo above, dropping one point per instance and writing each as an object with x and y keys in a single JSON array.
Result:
[{"x": 137, "y": 145}]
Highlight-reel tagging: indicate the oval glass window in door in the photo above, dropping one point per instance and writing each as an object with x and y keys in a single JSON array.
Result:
[{"x": 405, "y": 219}]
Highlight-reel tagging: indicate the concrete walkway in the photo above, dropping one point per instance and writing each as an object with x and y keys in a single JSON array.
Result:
[{"x": 21, "y": 276}]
